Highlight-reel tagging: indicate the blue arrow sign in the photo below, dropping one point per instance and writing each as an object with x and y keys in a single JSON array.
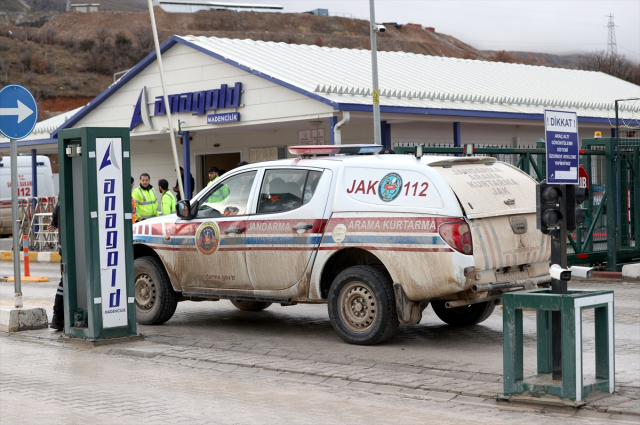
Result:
[{"x": 18, "y": 112}]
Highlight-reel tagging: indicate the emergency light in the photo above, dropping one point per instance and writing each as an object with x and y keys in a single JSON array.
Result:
[{"x": 335, "y": 150}]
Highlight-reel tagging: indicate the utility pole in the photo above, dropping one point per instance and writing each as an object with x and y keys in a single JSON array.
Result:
[
  {"x": 377, "y": 134},
  {"x": 612, "y": 46}
]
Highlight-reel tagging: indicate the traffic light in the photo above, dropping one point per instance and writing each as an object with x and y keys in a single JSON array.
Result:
[
  {"x": 576, "y": 215},
  {"x": 558, "y": 205},
  {"x": 549, "y": 205}
]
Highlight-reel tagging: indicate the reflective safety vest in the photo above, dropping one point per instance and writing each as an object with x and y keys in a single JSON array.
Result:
[
  {"x": 146, "y": 202},
  {"x": 220, "y": 194},
  {"x": 167, "y": 203},
  {"x": 133, "y": 210}
]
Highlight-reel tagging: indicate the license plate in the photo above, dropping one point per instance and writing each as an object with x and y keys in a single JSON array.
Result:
[{"x": 511, "y": 276}]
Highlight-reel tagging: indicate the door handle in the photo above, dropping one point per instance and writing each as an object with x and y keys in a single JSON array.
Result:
[
  {"x": 302, "y": 226},
  {"x": 233, "y": 230}
]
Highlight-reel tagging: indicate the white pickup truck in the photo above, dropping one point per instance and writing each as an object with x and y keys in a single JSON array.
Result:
[{"x": 376, "y": 237}]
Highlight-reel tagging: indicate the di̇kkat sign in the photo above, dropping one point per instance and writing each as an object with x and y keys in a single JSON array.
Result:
[
  {"x": 561, "y": 130},
  {"x": 111, "y": 238}
]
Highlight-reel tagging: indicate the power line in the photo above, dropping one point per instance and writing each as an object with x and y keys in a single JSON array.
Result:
[{"x": 612, "y": 47}]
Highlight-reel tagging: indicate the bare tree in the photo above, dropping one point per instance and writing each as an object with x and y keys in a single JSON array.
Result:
[
  {"x": 501, "y": 56},
  {"x": 144, "y": 37},
  {"x": 102, "y": 36},
  {"x": 616, "y": 65}
]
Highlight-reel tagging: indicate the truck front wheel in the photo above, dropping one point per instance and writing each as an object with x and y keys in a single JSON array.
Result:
[
  {"x": 361, "y": 305},
  {"x": 156, "y": 301},
  {"x": 463, "y": 316}
]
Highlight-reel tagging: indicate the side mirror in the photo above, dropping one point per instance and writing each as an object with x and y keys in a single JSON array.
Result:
[{"x": 183, "y": 209}]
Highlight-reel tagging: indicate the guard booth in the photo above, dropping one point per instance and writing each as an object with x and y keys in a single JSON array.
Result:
[{"x": 96, "y": 232}]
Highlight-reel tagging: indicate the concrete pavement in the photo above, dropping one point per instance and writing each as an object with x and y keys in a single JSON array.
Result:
[{"x": 296, "y": 344}]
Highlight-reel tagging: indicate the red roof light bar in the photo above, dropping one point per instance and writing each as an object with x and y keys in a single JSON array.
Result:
[{"x": 334, "y": 150}]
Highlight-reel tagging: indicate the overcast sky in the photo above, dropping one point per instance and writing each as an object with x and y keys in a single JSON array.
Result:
[{"x": 554, "y": 26}]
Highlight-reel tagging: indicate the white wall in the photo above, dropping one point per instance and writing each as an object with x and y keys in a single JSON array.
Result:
[
  {"x": 495, "y": 134},
  {"x": 187, "y": 70}
]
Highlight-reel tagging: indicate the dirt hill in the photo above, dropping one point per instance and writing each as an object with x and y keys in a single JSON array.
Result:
[{"x": 72, "y": 57}]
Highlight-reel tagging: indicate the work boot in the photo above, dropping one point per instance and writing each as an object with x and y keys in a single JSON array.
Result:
[{"x": 57, "y": 324}]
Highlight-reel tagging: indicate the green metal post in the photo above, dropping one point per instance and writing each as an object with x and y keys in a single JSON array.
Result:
[
  {"x": 81, "y": 248},
  {"x": 602, "y": 343},
  {"x": 636, "y": 196},
  {"x": 569, "y": 341},
  {"x": 612, "y": 231},
  {"x": 543, "y": 325},
  {"x": 512, "y": 347}
]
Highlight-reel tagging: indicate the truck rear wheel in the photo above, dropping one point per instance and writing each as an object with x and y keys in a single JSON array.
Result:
[
  {"x": 463, "y": 316},
  {"x": 156, "y": 301},
  {"x": 361, "y": 305},
  {"x": 250, "y": 305}
]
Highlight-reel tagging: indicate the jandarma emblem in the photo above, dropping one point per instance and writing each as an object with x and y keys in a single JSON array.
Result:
[
  {"x": 390, "y": 187},
  {"x": 207, "y": 238}
]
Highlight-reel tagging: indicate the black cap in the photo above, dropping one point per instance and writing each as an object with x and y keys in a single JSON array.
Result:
[
  {"x": 132, "y": 179},
  {"x": 387, "y": 151},
  {"x": 242, "y": 163},
  {"x": 214, "y": 170}
]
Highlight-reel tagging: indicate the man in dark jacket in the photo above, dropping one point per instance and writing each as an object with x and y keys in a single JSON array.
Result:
[{"x": 57, "y": 321}]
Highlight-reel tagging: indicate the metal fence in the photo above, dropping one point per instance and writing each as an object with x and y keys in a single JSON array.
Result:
[
  {"x": 611, "y": 163},
  {"x": 34, "y": 215}
]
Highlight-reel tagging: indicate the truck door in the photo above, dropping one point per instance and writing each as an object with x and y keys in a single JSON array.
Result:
[
  {"x": 209, "y": 249},
  {"x": 285, "y": 232}
]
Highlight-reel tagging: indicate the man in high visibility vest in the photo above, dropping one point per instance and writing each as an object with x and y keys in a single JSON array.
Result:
[
  {"x": 134, "y": 218},
  {"x": 167, "y": 200},
  {"x": 213, "y": 175},
  {"x": 145, "y": 197},
  {"x": 220, "y": 194}
]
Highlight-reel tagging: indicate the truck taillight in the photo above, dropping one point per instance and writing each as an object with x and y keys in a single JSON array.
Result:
[{"x": 457, "y": 236}]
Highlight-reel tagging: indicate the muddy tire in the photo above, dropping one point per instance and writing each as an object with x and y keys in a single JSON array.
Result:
[
  {"x": 463, "y": 316},
  {"x": 250, "y": 305},
  {"x": 362, "y": 307},
  {"x": 156, "y": 301}
]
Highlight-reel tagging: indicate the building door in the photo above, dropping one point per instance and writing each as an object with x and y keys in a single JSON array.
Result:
[
  {"x": 285, "y": 232},
  {"x": 224, "y": 161},
  {"x": 209, "y": 248}
]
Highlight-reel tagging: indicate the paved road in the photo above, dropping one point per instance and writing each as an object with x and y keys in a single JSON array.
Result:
[
  {"x": 429, "y": 357},
  {"x": 47, "y": 384},
  {"x": 305, "y": 329}
]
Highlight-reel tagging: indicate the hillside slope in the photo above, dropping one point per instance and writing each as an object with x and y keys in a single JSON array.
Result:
[{"x": 73, "y": 56}]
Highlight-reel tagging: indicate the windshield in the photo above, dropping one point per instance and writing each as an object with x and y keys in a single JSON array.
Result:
[{"x": 229, "y": 197}]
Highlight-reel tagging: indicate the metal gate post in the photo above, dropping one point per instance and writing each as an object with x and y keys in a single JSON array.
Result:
[
  {"x": 611, "y": 165},
  {"x": 636, "y": 196}
]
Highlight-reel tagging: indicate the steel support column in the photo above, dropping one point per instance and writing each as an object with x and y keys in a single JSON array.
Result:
[
  {"x": 456, "y": 134},
  {"x": 186, "y": 158},
  {"x": 385, "y": 130}
]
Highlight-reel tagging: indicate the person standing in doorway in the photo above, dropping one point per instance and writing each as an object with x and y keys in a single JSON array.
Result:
[
  {"x": 167, "y": 200},
  {"x": 176, "y": 189},
  {"x": 145, "y": 197},
  {"x": 214, "y": 174},
  {"x": 57, "y": 321}
]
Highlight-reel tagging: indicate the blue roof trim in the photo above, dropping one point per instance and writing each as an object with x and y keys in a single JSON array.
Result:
[
  {"x": 121, "y": 82},
  {"x": 455, "y": 112},
  {"x": 31, "y": 143},
  {"x": 258, "y": 73}
]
